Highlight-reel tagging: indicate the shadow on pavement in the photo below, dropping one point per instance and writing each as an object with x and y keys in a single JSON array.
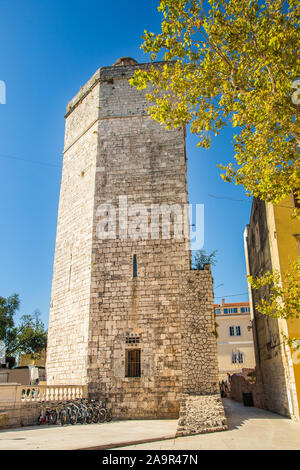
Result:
[{"x": 236, "y": 413}]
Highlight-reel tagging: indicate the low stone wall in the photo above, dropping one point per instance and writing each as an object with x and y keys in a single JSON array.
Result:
[
  {"x": 21, "y": 405},
  {"x": 201, "y": 414},
  {"x": 3, "y": 419},
  {"x": 26, "y": 414},
  {"x": 239, "y": 384},
  {"x": 13, "y": 411},
  {"x": 4, "y": 373}
]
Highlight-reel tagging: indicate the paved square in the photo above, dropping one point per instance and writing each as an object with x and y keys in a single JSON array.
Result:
[{"x": 249, "y": 428}]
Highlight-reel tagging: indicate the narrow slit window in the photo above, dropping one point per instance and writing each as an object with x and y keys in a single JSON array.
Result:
[
  {"x": 70, "y": 271},
  {"x": 240, "y": 357},
  {"x": 133, "y": 363},
  {"x": 233, "y": 358},
  {"x": 134, "y": 266}
]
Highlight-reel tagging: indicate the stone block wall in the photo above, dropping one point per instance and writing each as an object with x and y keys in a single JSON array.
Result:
[
  {"x": 138, "y": 159},
  {"x": 26, "y": 414},
  {"x": 114, "y": 150},
  {"x": 201, "y": 408},
  {"x": 201, "y": 414},
  {"x": 70, "y": 298},
  {"x": 14, "y": 412},
  {"x": 239, "y": 384},
  {"x": 199, "y": 352}
]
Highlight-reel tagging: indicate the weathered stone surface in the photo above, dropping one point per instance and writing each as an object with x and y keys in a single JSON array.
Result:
[
  {"x": 241, "y": 383},
  {"x": 112, "y": 149},
  {"x": 21, "y": 414},
  {"x": 201, "y": 414}
]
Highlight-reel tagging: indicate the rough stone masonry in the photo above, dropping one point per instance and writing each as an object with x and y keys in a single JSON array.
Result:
[{"x": 128, "y": 318}]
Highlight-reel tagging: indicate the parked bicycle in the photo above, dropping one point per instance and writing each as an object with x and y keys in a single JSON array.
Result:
[
  {"x": 72, "y": 412},
  {"x": 47, "y": 415},
  {"x": 99, "y": 411}
]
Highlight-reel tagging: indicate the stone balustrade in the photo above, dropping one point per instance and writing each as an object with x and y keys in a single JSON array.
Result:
[
  {"x": 14, "y": 393},
  {"x": 20, "y": 404},
  {"x": 41, "y": 393}
]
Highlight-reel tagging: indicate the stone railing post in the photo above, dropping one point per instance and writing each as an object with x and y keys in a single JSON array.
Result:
[
  {"x": 40, "y": 393},
  {"x": 18, "y": 395},
  {"x": 84, "y": 391}
]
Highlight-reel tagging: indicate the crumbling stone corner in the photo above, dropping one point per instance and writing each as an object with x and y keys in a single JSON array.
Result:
[{"x": 201, "y": 414}]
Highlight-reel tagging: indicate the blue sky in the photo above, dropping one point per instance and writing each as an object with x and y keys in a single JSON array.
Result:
[{"x": 49, "y": 49}]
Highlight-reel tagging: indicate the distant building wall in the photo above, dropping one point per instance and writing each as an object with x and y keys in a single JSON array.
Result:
[
  {"x": 38, "y": 360},
  {"x": 20, "y": 376},
  {"x": 235, "y": 341},
  {"x": 26, "y": 375},
  {"x": 240, "y": 384}
]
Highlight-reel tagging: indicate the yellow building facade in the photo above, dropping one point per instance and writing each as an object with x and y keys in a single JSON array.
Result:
[
  {"x": 287, "y": 231},
  {"x": 38, "y": 360},
  {"x": 271, "y": 244}
]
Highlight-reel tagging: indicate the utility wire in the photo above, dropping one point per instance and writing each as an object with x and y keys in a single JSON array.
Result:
[
  {"x": 30, "y": 161},
  {"x": 232, "y": 295},
  {"x": 35, "y": 162},
  {"x": 230, "y": 198}
]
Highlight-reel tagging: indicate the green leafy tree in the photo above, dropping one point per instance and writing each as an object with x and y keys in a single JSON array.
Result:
[
  {"x": 8, "y": 331},
  {"x": 28, "y": 337},
  {"x": 32, "y": 336},
  {"x": 232, "y": 62},
  {"x": 201, "y": 258},
  {"x": 280, "y": 299}
]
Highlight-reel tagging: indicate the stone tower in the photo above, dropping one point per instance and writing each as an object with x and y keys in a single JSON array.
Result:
[{"x": 128, "y": 316}]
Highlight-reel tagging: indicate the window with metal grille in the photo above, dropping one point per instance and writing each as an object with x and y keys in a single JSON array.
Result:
[
  {"x": 132, "y": 339},
  {"x": 237, "y": 357},
  {"x": 238, "y": 330},
  {"x": 231, "y": 331},
  {"x": 133, "y": 363}
]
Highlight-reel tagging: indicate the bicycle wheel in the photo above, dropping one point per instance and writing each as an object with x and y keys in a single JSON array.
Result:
[
  {"x": 41, "y": 419},
  {"x": 52, "y": 417},
  {"x": 79, "y": 417},
  {"x": 63, "y": 417},
  {"x": 89, "y": 415},
  {"x": 102, "y": 415},
  {"x": 95, "y": 415},
  {"x": 82, "y": 416},
  {"x": 73, "y": 416}
]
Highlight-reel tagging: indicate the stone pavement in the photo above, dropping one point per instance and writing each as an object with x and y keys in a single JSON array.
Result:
[
  {"x": 87, "y": 436},
  {"x": 249, "y": 428}
]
